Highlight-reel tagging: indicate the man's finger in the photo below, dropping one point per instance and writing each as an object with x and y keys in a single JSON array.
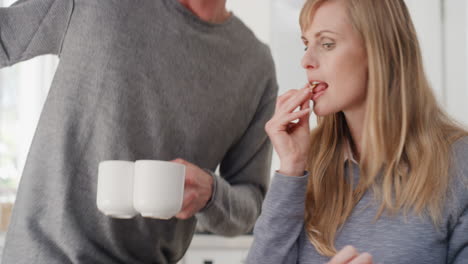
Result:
[
  {"x": 186, "y": 213},
  {"x": 181, "y": 161},
  {"x": 189, "y": 179},
  {"x": 189, "y": 197}
]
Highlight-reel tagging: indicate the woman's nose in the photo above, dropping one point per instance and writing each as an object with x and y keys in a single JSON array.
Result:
[{"x": 309, "y": 61}]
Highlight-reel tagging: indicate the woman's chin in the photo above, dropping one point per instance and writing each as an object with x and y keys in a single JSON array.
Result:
[{"x": 320, "y": 111}]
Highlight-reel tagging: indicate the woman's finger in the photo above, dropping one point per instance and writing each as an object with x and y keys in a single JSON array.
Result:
[
  {"x": 345, "y": 255},
  {"x": 296, "y": 100},
  {"x": 282, "y": 98},
  {"x": 305, "y": 118},
  {"x": 278, "y": 124},
  {"x": 305, "y": 104},
  {"x": 285, "y": 120},
  {"x": 286, "y": 96},
  {"x": 364, "y": 258},
  {"x": 291, "y": 127}
]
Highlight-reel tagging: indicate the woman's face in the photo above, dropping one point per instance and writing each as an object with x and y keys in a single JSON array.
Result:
[{"x": 336, "y": 57}]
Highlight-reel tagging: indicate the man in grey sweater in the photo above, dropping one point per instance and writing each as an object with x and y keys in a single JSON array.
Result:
[{"x": 147, "y": 79}]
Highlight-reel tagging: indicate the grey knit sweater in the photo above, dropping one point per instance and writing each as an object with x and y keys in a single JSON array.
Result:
[
  {"x": 280, "y": 237},
  {"x": 136, "y": 80}
]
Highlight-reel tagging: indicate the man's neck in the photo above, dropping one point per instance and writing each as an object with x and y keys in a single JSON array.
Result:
[{"x": 213, "y": 11}]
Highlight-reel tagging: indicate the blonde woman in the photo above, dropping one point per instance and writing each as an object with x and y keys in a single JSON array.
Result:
[{"x": 385, "y": 170}]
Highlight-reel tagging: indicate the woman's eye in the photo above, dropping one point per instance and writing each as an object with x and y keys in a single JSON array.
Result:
[
  {"x": 328, "y": 45},
  {"x": 305, "y": 48}
]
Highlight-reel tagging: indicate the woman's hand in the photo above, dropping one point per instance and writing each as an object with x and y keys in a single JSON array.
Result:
[
  {"x": 291, "y": 140},
  {"x": 349, "y": 255}
]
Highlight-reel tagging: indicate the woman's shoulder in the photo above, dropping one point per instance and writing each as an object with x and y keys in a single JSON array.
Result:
[
  {"x": 459, "y": 169},
  {"x": 457, "y": 196},
  {"x": 460, "y": 150}
]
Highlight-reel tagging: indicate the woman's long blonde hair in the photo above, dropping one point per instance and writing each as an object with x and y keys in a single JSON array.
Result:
[{"x": 407, "y": 138}]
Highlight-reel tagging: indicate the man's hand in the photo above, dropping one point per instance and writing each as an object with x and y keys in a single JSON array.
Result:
[
  {"x": 349, "y": 255},
  {"x": 197, "y": 191}
]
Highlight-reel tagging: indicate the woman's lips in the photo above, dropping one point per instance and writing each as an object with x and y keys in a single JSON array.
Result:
[
  {"x": 315, "y": 96},
  {"x": 318, "y": 90}
]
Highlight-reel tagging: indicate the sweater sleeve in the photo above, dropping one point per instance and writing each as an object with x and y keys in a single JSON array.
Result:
[
  {"x": 30, "y": 28},
  {"x": 458, "y": 244},
  {"x": 240, "y": 188},
  {"x": 279, "y": 226},
  {"x": 458, "y": 239}
]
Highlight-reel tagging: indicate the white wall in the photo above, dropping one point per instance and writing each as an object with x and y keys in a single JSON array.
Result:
[
  {"x": 427, "y": 18},
  {"x": 256, "y": 14},
  {"x": 456, "y": 57},
  {"x": 286, "y": 44}
]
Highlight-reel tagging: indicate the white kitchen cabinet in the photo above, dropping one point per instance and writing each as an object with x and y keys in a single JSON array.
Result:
[
  {"x": 215, "y": 257},
  {"x": 211, "y": 249}
]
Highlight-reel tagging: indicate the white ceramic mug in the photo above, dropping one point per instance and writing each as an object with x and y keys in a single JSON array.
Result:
[
  {"x": 115, "y": 188},
  {"x": 158, "y": 188}
]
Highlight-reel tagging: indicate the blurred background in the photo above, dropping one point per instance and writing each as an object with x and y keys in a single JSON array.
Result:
[{"x": 443, "y": 35}]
